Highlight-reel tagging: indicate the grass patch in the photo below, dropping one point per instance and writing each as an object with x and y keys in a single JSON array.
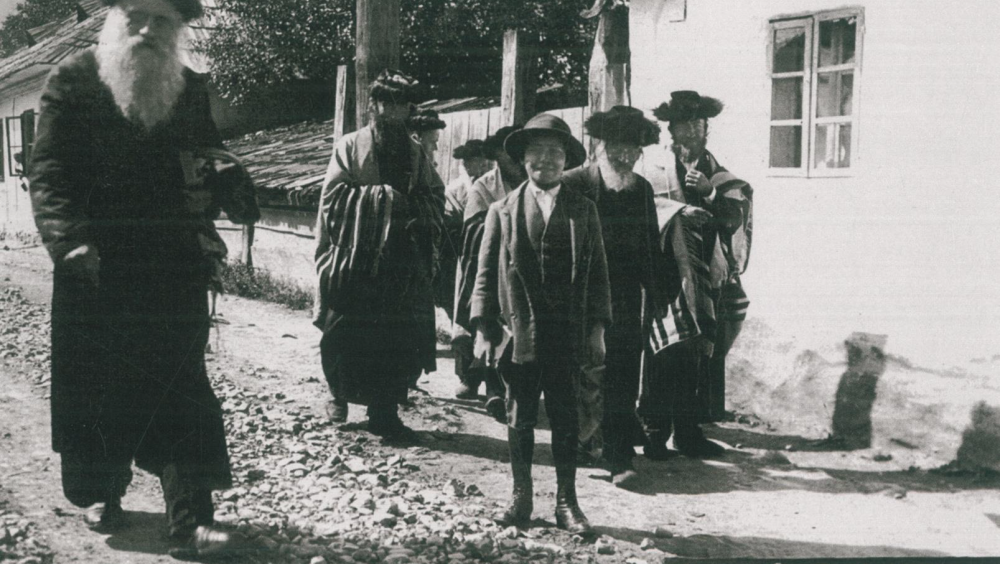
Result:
[{"x": 258, "y": 284}]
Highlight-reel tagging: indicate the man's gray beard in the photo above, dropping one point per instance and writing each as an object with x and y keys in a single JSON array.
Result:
[
  {"x": 617, "y": 175},
  {"x": 145, "y": 83}
]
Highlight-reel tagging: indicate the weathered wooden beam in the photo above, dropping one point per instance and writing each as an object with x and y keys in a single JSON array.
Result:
[
  {"x": 609, "y": 63},
  {"x": 247, "y": 254},
  {"x": 517, "y": 100},
  {"x": 344, "y": 117},
  {"x": 377, "y": 47}
]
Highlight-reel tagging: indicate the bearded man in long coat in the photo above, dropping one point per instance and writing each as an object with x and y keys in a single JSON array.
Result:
[
  {"x": 119, "y": 128},
  {"x": 685, "y": 382},
  {"x": 643, "y": 277},
  {"x": 379, "y": 233}
]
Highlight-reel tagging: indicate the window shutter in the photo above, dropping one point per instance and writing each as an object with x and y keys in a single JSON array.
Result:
[{"x": 27, "y": 138}]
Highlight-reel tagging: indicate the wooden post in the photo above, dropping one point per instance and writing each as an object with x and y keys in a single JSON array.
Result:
[
  {"x": 609, "y": 63},
  {"x": 248, "y": 233},
  {"x": 343, "y": 120},
  {"x": 377, "y": 39},
  {"x": 517, "y": 100}
]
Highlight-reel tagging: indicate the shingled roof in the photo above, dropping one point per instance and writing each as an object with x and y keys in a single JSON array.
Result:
[{"x": 287, "y": 163}]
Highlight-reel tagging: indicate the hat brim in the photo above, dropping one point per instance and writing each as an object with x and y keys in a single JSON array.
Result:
[{"x": 517, "y": 142}]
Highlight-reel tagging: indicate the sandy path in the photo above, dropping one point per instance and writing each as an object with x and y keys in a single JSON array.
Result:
[{"x": 763, "y": 500}]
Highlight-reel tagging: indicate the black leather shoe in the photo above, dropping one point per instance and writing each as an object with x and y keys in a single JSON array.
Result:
[
  {"x": 690, "y": 441},
  {"x": 518, "y": 512},
  {"x": 658, "y": 451},
  {"x": 336, "y": 412},
  {"x": 570, "y": 518},
  {"x": 623, "y": 474},
  {"x": 105, "y": 516},
  {"x": 211, "y": 542},
  {"x": 496, "y": 408},
  {"x": 700, "y": 448}
]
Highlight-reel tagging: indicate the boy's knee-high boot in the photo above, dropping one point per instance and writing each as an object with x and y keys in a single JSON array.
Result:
[
  {"x": 522, "y": 447},
  {"x": 569, "y": 516}
]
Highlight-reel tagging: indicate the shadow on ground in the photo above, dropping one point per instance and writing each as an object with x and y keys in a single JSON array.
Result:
[
  {"x": 142, "y": 532},
  {"x": 702, "y": 547}
]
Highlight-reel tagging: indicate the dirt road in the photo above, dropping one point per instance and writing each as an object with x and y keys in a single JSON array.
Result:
[{"x": 769, "y": 497}]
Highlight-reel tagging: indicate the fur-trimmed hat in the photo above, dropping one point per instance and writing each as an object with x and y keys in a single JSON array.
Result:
[
  {"x": 189, "y": 9},
  {"x": 472, "y": 149},
  {"x": 424, "y": 120},
  {"x": 393, "y": 87},
  {"x": 545, "y": 125},
  {"x": 686, "y": 105},
  {"x": 493, "y": 144},
  {"x": 623, "y": 124}
]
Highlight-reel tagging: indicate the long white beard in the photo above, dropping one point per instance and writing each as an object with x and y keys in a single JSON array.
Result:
[{"x": 145, "y": 82}]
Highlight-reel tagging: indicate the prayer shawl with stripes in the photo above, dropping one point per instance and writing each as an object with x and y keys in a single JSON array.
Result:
[
  {"x": 711, "y": 289},
  {"x": 358, "y": 219}
]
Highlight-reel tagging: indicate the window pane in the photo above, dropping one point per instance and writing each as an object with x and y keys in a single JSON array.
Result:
[
  {"x": 786, "y": 98},
  {"x": 836, "y": 41},
  {"x": 789, "y": 49},
  {"x": 833, "y": 145},
  {"x": 786, "y": 146},
  {"x": 834, "y": 93}
]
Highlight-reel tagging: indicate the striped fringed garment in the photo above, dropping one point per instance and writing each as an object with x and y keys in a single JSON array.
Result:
[
  {"x": 358, "y": 223},
  {"x": 693, "y": 312}
]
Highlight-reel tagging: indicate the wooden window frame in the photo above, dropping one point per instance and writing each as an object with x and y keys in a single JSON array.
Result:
[
  {"x": 810, "y": 22},
  {"x": 11, "y": 165}
]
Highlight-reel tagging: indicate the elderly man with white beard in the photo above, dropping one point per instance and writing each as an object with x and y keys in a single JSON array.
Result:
[
  {"x": 110, "y": 175},
  {"x": 644, "y": 279}
]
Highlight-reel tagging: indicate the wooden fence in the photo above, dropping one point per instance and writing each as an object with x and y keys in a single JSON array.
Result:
[{"x": 479, "y": 124}]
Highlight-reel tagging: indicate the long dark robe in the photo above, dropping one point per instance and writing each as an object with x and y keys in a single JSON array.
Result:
[
  {"x": 683, "y": 380},
  {"x": 373, "y": 344},
  {"x": 128, "y": 370},
  {"x": 641, "y": 275}
]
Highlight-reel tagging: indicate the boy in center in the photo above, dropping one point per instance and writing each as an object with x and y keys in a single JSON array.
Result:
[{"x": 542, "y": 279}]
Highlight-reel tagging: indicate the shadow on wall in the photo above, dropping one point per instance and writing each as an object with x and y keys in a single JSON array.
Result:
[
  {"x": 980, "y": 448},
  {"x": 852, "y": 412},
  {"x": 857, "y": 395}
]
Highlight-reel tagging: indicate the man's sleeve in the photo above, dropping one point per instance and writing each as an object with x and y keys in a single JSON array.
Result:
[
  {"x": 598, "y": 287},
  {"x": 60, "y": 153},
  {"x": 485, "y": 300}
]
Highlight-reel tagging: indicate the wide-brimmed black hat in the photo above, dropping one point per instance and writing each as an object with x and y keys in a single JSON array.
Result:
[
  {"x": 494, "y": 143},
  {"x": 189, "y": 9},
  {"x": 393, "y": 87},
  {"x": 425, "y": 120},
  {"x": 546, "y": 124},
  {"x": 472, "y": 149},
  {"x": 623, "y": 124},
  {"x": 686, "y": 105}
]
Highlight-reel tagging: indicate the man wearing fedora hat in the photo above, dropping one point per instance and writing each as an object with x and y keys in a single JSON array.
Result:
[
  {"x": 643, "y": 276},
  {"x": 114, "y": 201},
  {"x": 542, "y": 280},
  {"x": 686, "y": 383}
]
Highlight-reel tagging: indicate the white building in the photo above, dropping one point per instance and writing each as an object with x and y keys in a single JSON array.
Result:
[{"x": 869, "y": 132}]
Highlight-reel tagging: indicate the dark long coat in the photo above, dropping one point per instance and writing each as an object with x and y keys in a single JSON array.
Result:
[
  {"x": 128, "y": 369},
  {"x": 509, "y": 280},
  {"x": 386, "y": 333}
]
